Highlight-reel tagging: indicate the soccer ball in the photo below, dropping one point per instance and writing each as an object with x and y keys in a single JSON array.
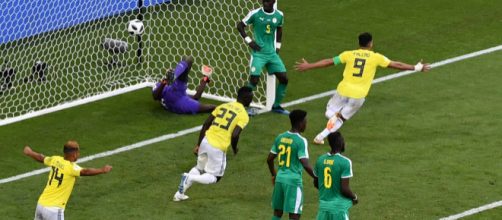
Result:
[{"x": 135, "y": 27}]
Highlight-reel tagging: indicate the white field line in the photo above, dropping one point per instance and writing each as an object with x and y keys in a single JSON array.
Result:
[
  {"x": 108, "y": 153},
  {"x": 295, "y": 102},
  {"x": 195, "y": 129},
  {"x": 73, "y": 104},
  {"x": 473, "y": 211},
  {"x": 298, "y": 101}
]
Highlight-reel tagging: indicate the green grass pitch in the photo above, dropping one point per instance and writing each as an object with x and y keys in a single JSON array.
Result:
[{"x": 423, "y": 146}]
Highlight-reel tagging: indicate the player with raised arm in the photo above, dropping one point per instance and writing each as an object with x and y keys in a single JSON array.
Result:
[
  {"x": 171, "y": 91},
  {"x": 334, "y": 171},
  {"x": 267, "y": 32},
  {"x": 64, "y": 170},
  {"x": 291, "y": 151},
  {"x": 221, "y": 129},
  {"x": 360, "y": 68}
]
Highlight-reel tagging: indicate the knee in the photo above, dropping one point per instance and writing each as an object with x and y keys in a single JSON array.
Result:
[{"x": 283, "y": 79}]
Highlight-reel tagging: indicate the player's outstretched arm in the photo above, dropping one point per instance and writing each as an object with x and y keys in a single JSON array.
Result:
[
  {"x": 235, "y": 138},
  {"x": 251, "y": 43},
  {"x": 307, "y": 167},
  {"x": 304, "y": 65},
  {"x": 270, "y": 162},
  {"x": 95, "y": 171},
  {"x": 347, "y": 192},
  {"x": 404, "y": 66},
  {"x": 157, "y": 93},
  {"x": 36, "y": 156}
]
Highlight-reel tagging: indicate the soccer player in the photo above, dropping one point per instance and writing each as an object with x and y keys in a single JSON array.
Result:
[
  {"x": 267, "y": 31},
  {"x": 62, "y": 176},
  {"x": 221, "y": 129},
  {"x": 291, "y": 150},
  {"x": 171, "y": 91},
  {"x": 334, "y": 171},
  {"x": 360, "y": 68}
]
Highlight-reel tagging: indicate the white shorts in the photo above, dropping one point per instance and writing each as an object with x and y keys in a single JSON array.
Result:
[
  {"x": 49, "y": 213},
  {"x": 210, "y": 159},
  {"x": 346, "y": 106}
]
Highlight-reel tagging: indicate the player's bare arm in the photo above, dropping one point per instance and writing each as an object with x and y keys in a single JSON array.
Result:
[
  {"x": 251, "y": 43},
  {"x": 423, "y": 67},
  {"x": 202, "y": 133},
  {"x": 36, "y": 156},
  {"x": 347, "y": 192},
  {"x": 278, "y": 36},
  {"x": 95, "y": 171},
  {"x": 304, "y": 65},
  {"x": 235, "y": 138},
  {"x": 307, "y": 167},
  {"x": 270, "y": 162}
]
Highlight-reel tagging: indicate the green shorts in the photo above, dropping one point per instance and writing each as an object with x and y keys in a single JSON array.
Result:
[
  {"x": 333, "y": 215},
  {"x": 272, "y": 62},
  {"x": 287, "y": 198}
]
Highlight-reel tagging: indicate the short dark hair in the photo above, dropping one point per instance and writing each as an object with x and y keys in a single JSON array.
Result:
[
  {"x": 364, "y": 39},
  {"x": 297, "y": 116},
  {"x": 243, "y": 91},
  {"x": 336, "y": 141}
]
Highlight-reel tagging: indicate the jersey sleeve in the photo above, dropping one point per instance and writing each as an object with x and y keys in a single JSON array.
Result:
[
  {"x": 216, "y": 110},
  {"x": 383, "y": 61},
  {"x": 274, "y": 149},
  {"x": 281, "y": 22},
  {"x": 347, "y": 169},
  {"x": 243, "y": 119},
  {"x": 344, "y": 56},
  {"x": 316, "y": 167},
  {"x": 303, "y": 151},
  {"x": 249, "y": 19},
  {"x": 75, "y": 170},
  {"x": 48, "y": 161}
]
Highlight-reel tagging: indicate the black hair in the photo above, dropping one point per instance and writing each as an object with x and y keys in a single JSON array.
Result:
[
  {"x": 243, "y": 91},
  {"x": 364, "y": 39},
  {"x": 297, "y": 116},
  {"x": 336, "y": 141}
]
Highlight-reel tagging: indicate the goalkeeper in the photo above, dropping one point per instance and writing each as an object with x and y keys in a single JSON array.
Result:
[{"x": 171, "y": 91}]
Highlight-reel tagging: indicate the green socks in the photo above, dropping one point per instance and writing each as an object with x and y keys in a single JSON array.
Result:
[{"x": 280, "y": 92}]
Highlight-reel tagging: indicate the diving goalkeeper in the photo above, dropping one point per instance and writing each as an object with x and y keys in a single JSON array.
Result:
[{"x": 171, "y": 91}]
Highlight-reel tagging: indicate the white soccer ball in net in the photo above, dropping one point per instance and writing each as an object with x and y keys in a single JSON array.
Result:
[{"x": 135, "y": 27}]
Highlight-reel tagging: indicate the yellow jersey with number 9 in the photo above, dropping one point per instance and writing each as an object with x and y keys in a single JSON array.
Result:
[
  {"x": 226, "y": 117},
  {"x": 60, "y": 183},
  {"x": 360, "y": 68}
]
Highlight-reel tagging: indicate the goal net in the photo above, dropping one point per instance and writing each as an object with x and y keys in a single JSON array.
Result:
[{"x": 55, "y": 54}]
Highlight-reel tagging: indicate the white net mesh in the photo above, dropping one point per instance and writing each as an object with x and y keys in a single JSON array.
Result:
[{"x": 61, "y": 51}]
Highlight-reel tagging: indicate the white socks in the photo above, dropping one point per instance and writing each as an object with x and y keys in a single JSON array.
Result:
[
  {"x": 205, "y": 178},
  {"x": 333, "y": 125}
]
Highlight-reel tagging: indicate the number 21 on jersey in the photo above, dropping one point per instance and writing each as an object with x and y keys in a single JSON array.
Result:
[{"x": 286, "y": 152}]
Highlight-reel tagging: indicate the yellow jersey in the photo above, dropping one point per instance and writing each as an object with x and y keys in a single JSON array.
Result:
[
  {"x": 60, "y": 183},
  {"x": 360, "y": 68},
  {"x": 227, "y": 116}
]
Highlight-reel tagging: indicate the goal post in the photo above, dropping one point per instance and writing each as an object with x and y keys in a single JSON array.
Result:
[{"x": 57, "y": 54}]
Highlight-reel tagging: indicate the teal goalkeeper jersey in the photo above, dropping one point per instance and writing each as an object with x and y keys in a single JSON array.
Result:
[
  {"x": 330, "y": 169},
  {"x": 290, "y": 148},
  {"x": 264, "y": 28}
]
